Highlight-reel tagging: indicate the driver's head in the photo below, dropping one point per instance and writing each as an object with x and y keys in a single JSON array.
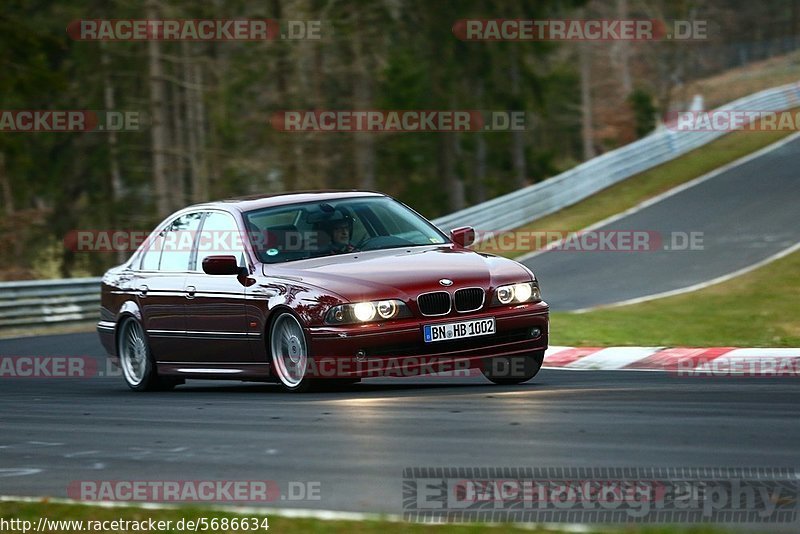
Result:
[{"x": 340, "y": 232}]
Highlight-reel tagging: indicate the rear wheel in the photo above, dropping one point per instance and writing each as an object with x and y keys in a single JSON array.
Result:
[
  {"x": 510, "y": 370},
  {"x": 289, "y": 353},
  {"x": 136, "y": 360}
]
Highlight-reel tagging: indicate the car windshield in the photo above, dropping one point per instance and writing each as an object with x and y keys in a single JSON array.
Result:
[{"x": 314, "y": 229}]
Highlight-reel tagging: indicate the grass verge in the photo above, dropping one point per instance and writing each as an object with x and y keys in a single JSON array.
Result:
[
  {"x": 757, "y": 309},
  {"x": 33, "y": 511},
  {"x": 49, "y": 330}
]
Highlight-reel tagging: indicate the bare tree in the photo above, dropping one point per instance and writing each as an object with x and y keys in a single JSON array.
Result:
[
  {"x": 621, "y": 52},
  {"x": 5, "y": 186},
  {"x": 158, "y": 129},
  {"x": 178, "y": 167},
  {"x": 112, "y": 140},
  {"x": 362, "y": 99},
  {"x": 517, "y": 136},
  {"x": 587, "y": 130}
]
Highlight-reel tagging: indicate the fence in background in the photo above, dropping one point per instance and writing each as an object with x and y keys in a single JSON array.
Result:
[{"x": 41, "y": 302}]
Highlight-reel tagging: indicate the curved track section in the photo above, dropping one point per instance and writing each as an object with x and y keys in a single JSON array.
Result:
[{"x": 744, "y": 214}]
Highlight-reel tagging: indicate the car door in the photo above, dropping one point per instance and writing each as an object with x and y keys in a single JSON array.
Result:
[
  {"x": 159, "y": 286},
  {"x": 217, "y": 329}
]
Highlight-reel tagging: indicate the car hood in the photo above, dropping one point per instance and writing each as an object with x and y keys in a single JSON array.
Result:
[{"x": 402, "y": 272}]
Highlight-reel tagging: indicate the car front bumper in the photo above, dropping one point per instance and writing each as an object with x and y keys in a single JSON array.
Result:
[{"x": 397, "y": 348}]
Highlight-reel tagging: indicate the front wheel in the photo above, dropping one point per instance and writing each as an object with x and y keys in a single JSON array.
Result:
[
  {"x": 510, "y": 370},
  {"x": 289, "y": 353}
]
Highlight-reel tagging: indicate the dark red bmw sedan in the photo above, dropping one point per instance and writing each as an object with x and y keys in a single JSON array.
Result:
[{"x": 307, "y": 288}]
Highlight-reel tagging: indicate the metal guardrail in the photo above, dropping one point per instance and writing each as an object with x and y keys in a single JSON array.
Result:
[
  {"x": 24, "y": 304},
  {"x": 41, "y": 302}
]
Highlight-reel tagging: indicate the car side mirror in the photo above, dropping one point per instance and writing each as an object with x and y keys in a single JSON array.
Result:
[
  {"x": 463, "y": 236},
  {"x": 221, "y": 265}
]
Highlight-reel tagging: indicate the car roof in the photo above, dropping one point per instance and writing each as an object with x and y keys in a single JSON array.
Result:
[{"x": 253, "y": 202}]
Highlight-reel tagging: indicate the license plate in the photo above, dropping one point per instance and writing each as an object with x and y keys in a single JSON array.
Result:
[{"x": 460, "y": 330}]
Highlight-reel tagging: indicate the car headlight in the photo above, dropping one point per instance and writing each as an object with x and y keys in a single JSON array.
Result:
[
  {"x": 517, "y": 293},
  {"x": 364, "y": 312}
]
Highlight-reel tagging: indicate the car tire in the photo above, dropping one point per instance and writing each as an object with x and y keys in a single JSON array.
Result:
[
  {"x": 288, "y": 349},
  {"x": 136, "y": 360},
  {"x": 510, "y": 370}
]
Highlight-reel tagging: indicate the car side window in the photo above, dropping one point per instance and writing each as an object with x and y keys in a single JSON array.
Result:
[
  {"x": 179, "y": 242},
  {"x": 219, "y": 236},
  {"x": 152, "y": 255}
]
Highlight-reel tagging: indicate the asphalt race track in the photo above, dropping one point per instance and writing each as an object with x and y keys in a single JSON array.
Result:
[
  {"x": 354, "y": 443},
  {"x": 745, "y": 214}
]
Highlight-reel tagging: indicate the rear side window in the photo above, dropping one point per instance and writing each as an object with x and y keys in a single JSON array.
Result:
[
  {"x": 220, "y": 236},
  {"x": 152, "y": 255},
  {"x": 179, "y": 242}
]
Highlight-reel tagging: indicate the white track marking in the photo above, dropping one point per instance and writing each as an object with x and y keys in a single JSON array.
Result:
[
  {"x": 695, "y": 287},
  {"x": 672, "y": 192},
  {"x": 613, "y": 358},
  {"x": 762, "y": 353},
  {"x": 81, "y": 453},
  {"x": 19, "y": 472},
  {"x": 552, "y": 350}
]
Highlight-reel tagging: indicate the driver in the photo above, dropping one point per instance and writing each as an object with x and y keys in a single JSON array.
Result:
[{"x": 339, "y": 229}]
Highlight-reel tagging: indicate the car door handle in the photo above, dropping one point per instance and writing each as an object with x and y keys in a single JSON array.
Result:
[
  {"x": 190, "y": 290},
  {"x": 143, "y": 291}
]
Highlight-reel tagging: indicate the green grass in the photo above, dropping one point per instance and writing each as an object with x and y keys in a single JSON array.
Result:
[
  {"x": 33, "y": 511},
  {"x": 648, "y": 184},
  {"x": 757, "y": 309}
]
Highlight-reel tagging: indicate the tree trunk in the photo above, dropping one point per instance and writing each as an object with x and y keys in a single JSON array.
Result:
[
  {"x": 5, "y": 186},
  {"x": 362, "y": 100},
  {"x": 479, "y": 187},
  {"x": 112, "y": 139},
  {"x": 481, "y": 152},
  {"x": 192, "y": 125},
  {"x": 447, "y": 167},
  {"x": 286, "y": 144},
  {"x": 517, "y": 137},
  {"x": 622, "y": 47},
  {"x": 158, "y": 130},
  {"x": 586, "y": 101},
  {"x": 178, "y": 168}
]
